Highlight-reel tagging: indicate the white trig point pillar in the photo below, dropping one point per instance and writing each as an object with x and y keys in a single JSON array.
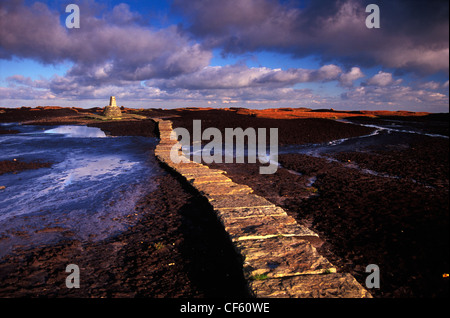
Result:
[{"x": 112, "y": 101}]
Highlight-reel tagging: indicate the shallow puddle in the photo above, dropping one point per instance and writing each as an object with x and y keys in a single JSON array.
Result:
[{"x": 93, "y": 182}]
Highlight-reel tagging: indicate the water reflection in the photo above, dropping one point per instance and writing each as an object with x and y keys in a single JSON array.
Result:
[
  {"x": 91, "y": 185},
  {"x": 77, "y": 131}
]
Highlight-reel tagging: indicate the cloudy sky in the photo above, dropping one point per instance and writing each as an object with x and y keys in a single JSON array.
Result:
[{"x": 226, "y": 53}]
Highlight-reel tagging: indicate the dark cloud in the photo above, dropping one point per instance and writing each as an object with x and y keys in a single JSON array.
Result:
[
  {"x": 31, "y": 32},
  {"x": 413, "y": 34},
  {"x": 99, "y": 49}
]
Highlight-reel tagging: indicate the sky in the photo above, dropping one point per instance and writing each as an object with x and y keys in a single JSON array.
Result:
[{"x": 226, "y": 53}]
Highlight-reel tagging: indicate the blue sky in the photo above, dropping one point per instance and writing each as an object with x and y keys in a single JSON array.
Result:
[{"x": 222, "y": 53}]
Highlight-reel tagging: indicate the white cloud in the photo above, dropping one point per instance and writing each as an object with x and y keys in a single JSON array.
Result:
[
  {"x": 401, "y": 97},
  {"x": 328, "y": 73},
  {"x": 241, "y": 76},
  {"x": 430, "y": 85},
  {"x": 347, "y": 79},
  {"x": 383, "y": 79}
]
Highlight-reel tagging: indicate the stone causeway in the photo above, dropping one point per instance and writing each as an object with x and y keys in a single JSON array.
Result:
[{"x": 279, "y": 255}]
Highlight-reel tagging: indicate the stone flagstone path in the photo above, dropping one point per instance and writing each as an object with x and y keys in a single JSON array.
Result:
[{"x": 280, "y": 257}]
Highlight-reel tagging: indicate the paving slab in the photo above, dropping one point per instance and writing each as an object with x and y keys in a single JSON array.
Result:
[
  {"x": 249, "y": 212},
  {"x": 237, "y": 201},
  {"x": 169, "y": 147},
  {"x": 183, "y": 166},
  {"x": 165, "y": 124},
  {"x": 267, "y": 227},
  {"x": 201, "y": 174},
  {"x": 281, "y": 256},
  {"x": 193, "y": 173},
  {"x": 164, "y": 156},
  {"x": 167, "y": 152},
  {"x": 167, "y": 135},
  {"x": 222, "y": 188},
  {"x": 210, "y": 179},
  {"x": 166, "y": 132},
  {"x": 334, "y": 285},
  {"x": 167, "y": 141}
]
